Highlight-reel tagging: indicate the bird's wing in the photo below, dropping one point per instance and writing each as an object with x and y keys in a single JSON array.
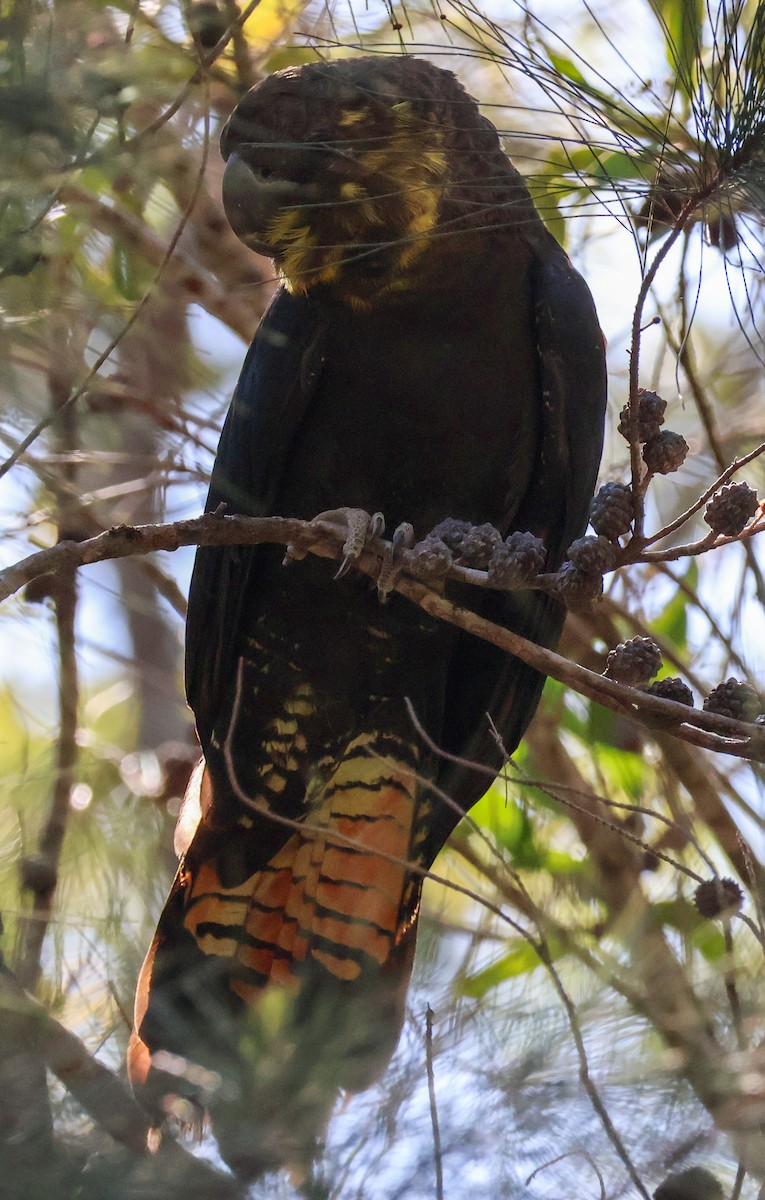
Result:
[
  {"x": 572, "y": 362},
  {"x": 483, "y": 679},
  {"x": 274, "y": 390}
]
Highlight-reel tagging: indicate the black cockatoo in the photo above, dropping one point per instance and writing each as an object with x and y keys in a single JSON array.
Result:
[{"x": 430, "y": 354}]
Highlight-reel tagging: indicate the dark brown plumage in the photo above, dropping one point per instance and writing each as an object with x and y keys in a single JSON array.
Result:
[{"x": 432, "y": 354}]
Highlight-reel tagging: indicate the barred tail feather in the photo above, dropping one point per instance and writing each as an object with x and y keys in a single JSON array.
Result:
[
  {"x": 337, "y": 893},
  {"x": 327, "y": 923}
]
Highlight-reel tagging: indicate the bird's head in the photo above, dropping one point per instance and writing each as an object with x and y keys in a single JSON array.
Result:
[{"x": 338, "y": 171}]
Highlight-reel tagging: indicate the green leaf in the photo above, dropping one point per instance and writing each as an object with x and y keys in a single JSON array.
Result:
[
  {"x": 558, "y": 863},
  {"x": 682, "y": 915},
  {"x": 623, "y": 771},
  {"x": 130, "y": 273},
  {"x": 509, "y": 823},
  {"x": 619, "y": 165},
  {"x": 614, "y": 731},
  {"x": 522, "y": 959},
  {"x": 567, "y": 68},
  {"x": 672, "y": 623},
  {"x": 547, "y": 194},
  {"x": 709, "y": 941},
  {"x": 681, "y": 23},
  {"x": 291, "y": 56},
  {"x": 679, "y": 914}
]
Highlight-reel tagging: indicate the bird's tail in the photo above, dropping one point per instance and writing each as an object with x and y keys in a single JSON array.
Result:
[{"x": 301, "y": 962}]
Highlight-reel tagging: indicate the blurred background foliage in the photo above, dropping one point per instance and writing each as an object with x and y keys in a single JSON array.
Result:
[{"x": 590, "y": 1024}]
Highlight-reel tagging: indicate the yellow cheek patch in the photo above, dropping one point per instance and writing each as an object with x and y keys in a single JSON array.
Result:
[
  {"x": 351, "y": 191},
  {"x": 352, "y": 116},
  {"x": 406, "y": 175},
  {"x": 301, "y": 264}
]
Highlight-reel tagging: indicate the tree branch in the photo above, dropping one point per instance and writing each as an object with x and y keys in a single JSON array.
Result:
[
  {"x": 39, "y": 874},
  {"x": 707, "y": 730},
  {"x": 105, "y": 1098}
]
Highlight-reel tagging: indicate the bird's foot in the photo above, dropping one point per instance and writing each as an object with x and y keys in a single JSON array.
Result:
[
  {"x": 403, "y": 539},
  {"x": 360, "y": 528}
]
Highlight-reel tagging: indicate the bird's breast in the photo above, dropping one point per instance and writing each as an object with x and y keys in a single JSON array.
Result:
[{"x": 421, "y": 415}]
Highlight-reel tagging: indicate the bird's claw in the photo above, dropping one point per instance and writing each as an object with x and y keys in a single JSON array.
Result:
[
  {"x": 403, "y": 539},
  {"x": 360, "y": 529}
]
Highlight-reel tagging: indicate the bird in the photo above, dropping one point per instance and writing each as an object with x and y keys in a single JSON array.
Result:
[{"x": 430, "y": 355}]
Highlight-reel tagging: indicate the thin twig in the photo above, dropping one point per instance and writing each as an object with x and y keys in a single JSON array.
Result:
[
  {"x": 715, "y": 486},
  {"x": 730, "y": 986},
  {"x": 739, "y": 1182},
  {"x": 238, "y": 312},
  {"x": 437, "y": 1156},
  {"x": 705, "y": 411},
  {"x": 197, "y": 76},
  {"x": 722, "y": 637},
  {"x": 240, "y": 46},
  {"x": 588, "y": 1083},
  {"x": 40, "y": 874},
  {"x": 636, "y": 465},
  {"x": 634, "y": 552},
  {"x": 42, "y": 878},
  {"x": 553, "y": 792},
  {"x": 571, "y": 1154},
  {"x": 754, "y": 886},
  {"x": 165, "y": 261}
]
